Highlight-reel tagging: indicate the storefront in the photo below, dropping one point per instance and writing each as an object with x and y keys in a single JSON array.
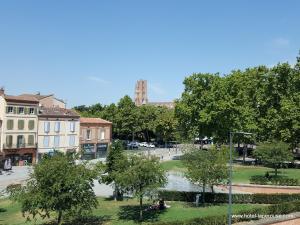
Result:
[
  {"x": 101, "y": 150},
  {"x": 21, "y": 157},
  {"x": 88, "y": 151}
]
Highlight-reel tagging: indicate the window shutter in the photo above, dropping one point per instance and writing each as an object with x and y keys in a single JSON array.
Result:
[
  {"x": 10, "y": 124},
  {"x": 21, "y": 124},
  {"x": 31, "y": 124},
  {"x": 26, "y": 110},
  {"x": 31, "y": 140},
  {"x": 6, "y": 109},
  {"x": 15, "y": 110}
]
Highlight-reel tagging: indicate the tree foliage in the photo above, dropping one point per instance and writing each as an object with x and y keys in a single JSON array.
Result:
[
  {"x": 206, "y": 167},
  {"x": 274, "y": 154},
  {"x": 58, "y": 185},
  {"x": 142, "y": 176},
  {"x": 261, "y": 100}
]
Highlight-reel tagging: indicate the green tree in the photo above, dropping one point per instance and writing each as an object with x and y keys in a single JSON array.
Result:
[
  {"x": 206, "y": 167},
  {"x": 116, "y": 163},
  {"x": 273, "y": 154},
  {"x": 127, "y": 118},
  {"x": 166, "y": 124},
  {"x": 142, "y": 176},
  {"x": 58, "y": 185}
]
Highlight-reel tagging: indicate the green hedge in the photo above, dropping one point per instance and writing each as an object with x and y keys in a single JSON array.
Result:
[
  {"x": 278, "y": 209},
  {"x": 223, "y": 198},
  {"x": 272, "y": 180}
]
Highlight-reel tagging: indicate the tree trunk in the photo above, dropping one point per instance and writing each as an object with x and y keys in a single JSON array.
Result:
[
  {"x": 244, "y": 153},
  {"x": 276, "y": 171},
  {"x": 141, "y": 207},
  {"x": 59, "y": 218},
  {"x": 212, "y": 188},
  {"x": 203, "y": 194}
]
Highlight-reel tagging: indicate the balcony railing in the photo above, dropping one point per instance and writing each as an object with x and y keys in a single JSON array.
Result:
[{"x": 19, "y": 145}]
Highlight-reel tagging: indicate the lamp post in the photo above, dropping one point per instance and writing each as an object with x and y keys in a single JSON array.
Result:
[{"x": 231, "y": 134}]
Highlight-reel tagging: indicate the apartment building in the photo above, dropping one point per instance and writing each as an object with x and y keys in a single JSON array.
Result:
[
  {"x": 95, "y": 137},
  {"x": 47, "y": 100},
  {"x": 18, "y": 136},
  {"x": 58, "y": 129}
]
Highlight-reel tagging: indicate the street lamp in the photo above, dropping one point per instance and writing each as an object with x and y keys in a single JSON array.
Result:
[{"x": 231, "y": 134}]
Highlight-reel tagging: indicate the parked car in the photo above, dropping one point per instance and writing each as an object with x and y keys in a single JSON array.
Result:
[
  {"x": 151, "y": 145},
  {"x": 133, "y": 145},
  {"x": 143, "y": 144}
]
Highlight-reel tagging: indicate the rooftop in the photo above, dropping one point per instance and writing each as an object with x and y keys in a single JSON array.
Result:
[
  {"x": 94, "y": 120},
  {"x": 27, "y": 99},
  {"x": 57, "y": 112}
]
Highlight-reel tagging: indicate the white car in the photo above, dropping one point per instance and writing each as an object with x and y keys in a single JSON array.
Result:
[
  {"x": 143, "y": 144},
  {"x": 150, "y": 145}
]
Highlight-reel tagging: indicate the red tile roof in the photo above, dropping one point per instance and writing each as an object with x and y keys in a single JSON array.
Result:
[
  {"x": 94, "y": 120},
  {"x": 57, "y": 112},
  {"x": 11, "y": 98}
]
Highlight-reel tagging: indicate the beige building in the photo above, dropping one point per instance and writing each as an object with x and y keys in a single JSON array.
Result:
[
  {"x": 18, "y": 125},
  {"x": 47, "y": 100},
  {"x": 141, "y": 93},
  {"x": 95, "y": 137},
  {"x": 58, "y": 129}
]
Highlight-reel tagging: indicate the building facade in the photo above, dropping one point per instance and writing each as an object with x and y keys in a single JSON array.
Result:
[
  {"x": 18, "y": 128},
  {"x": 95, "y": 137},
  {"x": 48, "y": 101},
  {"x": 141, "y": 93},
  {"x": 58, "y": 129}
]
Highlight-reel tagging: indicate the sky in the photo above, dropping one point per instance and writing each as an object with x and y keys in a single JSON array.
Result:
[{"x": 87, "y": 52}]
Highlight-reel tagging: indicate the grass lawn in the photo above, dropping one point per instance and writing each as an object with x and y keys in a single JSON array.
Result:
[
  {"x": 110, "y": 212},
  {"x": 174, "y": 165},
  {"x": 241, "y": 174}
]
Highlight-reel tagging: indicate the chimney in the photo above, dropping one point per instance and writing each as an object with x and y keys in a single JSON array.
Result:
[{"x": 2, "y": 91}]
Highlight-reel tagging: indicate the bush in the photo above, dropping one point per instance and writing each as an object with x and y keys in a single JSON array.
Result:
[
  {"x": 273, "y": 180},
  {"x": 282, "y": 208},
  {"x": 257, "y": 179},
  {"x": 223, "y": 197}
]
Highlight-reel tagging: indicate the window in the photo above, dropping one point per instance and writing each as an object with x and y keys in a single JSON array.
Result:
[
  {"x": 72, "y": 140},
  {"x": 21, "y": 110},
  {"x": 102, "y": 134},
  {"x": 20, "y": 141},
  {"x": 72, "y": 126},
  {"x": 10, "y": 124},
  {"x": 46, "y": 126},
  {"x": 21, "y": 124},
  {"x": 88, "y": 134},
  {"x": 31, "y": 110},
  {"x": 57, "y": 126},
  {"x": 31, "y": 124},
  {"x": 30, "y": 140},
  {"x": 10, "y": 109},
  {"x": 56, "y": 141},
  {"x": 46, "y": 141},
  {"x": 9, "y": 140}
]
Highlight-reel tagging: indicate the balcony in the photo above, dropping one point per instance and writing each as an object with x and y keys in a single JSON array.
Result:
[{"x": 19, "y": 146}]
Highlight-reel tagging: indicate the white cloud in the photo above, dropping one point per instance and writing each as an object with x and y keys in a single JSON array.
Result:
[
  {"x": 156, "y": 89},
  {"x": 98, "y": 80},
  {"x": 280, "y": 42}
]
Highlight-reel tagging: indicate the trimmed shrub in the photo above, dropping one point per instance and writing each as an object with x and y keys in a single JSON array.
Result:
[
  {"x": 223, "y": 198},
  {"x": 282, "y": 208},
  {"x": 272, "y": 180}
]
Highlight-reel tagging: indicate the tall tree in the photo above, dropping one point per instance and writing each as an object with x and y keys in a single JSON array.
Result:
[
  {"x": 206, "y": 167},
  {"x": 274, "y": 154},
  {"x": 143, "y": 175},
  {"x": 116, "y": 163},
  {"x": 58, "y": 185}
]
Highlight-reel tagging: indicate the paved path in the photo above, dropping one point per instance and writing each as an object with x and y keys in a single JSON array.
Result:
[
  {"x": 289, "y": 219},
  {"x": 265, "y": 190}
]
